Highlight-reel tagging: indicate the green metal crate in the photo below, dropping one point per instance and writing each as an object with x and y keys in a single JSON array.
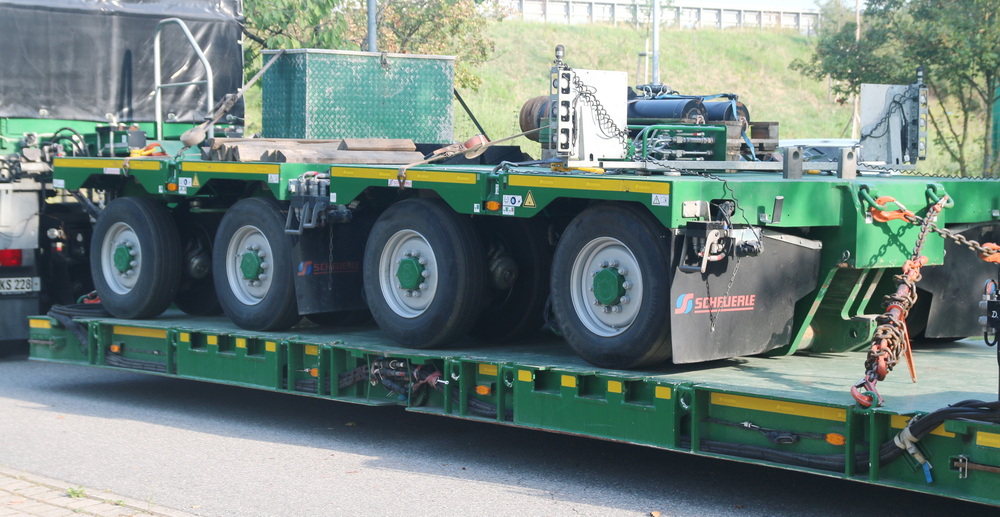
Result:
[{"x": 313, "y": 93}]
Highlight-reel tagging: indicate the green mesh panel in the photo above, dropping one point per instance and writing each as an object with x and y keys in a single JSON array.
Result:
[{"x": 338, "y": 94}]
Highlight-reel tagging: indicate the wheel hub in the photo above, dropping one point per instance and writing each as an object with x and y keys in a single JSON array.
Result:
[
  {"x": 250, "y": 265},
  {"x": 123, "y": 257},
  {"x": 410, "y": 273},
  {"x": 608, "y": 286}
]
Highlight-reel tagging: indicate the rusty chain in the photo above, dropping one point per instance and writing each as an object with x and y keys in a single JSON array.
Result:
[{"x": 891, "y": 340}]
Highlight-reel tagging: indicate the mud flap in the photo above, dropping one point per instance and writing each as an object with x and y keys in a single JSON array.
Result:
[
  {"x": 325, "y": 280},
  {"x": 715, "y": 320},
  {"x": 957, "y": 287}
]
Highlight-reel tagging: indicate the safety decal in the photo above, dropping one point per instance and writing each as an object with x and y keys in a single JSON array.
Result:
[
  {"x": 529, "y": 200},
  {"x": 661, "y": 200}
]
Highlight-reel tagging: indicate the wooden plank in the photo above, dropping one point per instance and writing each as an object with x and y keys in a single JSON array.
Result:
[{"x": 377, "y": 144}]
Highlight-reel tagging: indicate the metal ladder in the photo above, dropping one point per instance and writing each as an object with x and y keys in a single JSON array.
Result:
[{"x": 209, "y": 81}]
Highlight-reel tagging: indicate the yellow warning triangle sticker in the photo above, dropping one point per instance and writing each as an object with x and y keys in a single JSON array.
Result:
[
  {"x": 529, "y": 201},
  {"x": 194, "y": 181}
]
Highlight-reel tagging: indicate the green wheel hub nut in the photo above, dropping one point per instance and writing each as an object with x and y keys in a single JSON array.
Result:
[
  {"x": 410, "y": 273},
  {"x": 608, "y": 287},
  {"x": 250, "y": 265},
  {"x": 123, "y": 258}
]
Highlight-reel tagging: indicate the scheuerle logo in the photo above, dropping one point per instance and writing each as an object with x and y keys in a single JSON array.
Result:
[
  {"x": 325, "y": 268},
  {"x": 688, "y": 303}
]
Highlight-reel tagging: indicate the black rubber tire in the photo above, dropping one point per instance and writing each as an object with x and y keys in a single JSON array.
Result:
[
  {"x": 458, "y": 274},
  {"x": 275, "y": 308},
  {"x": 196, "y": 296},
  {"x": 645, "y": 340},
  {"x": 517, "y": 311},
  {"x": 160, "y": 271}
]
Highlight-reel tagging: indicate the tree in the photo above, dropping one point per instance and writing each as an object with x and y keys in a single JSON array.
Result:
[
  {"x": 452, "y": 27},
  {"x": 957, "y": 43},
  {"x": 274, "y": 24}
]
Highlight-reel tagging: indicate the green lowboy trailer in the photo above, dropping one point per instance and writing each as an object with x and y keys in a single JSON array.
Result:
[{"x": 663, "y": 275}]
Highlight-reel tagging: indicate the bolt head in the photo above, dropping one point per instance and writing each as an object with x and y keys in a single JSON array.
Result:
[
  {"x": 132, "y": 252},
  {"x": 623, "y": 271},
  {"x": 422, "y": 261},
  {"x": 261, "y": 276},
  {"x": 614, "y": 263},
  {"x": 264, "y": 265},
  {"x": 133, "y": 263},
  {"x": 416, "y": 253},
  {"x": 605, "y": 263},
  {"x": 425, "y": 273},
  {"x": 423, "y": 286},
  {"x": 624, "y": 300},
  {"x": 606, "y": 309},
  {"x": 616, "y": 309},
  {"x": 416, "y": 294},
  {"x": 261, "y": 254},
  {"x": 626, "y": 285}
]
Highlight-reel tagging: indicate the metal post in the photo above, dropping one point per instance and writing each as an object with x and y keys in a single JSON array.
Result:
[
  {"x": 656, "y": 42},
  {"x": 372, "y": 29}
]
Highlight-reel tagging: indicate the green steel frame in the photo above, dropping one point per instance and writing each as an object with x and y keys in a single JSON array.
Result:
[{"x": 725, "y": 409}]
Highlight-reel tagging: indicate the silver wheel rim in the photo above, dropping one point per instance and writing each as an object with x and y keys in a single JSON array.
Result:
[
  {"x": 120, "y": 234},
  {"x": 407, "y": 244},
  {"x": 249, "y": 239},
  {"x": 605, "y": 320}
]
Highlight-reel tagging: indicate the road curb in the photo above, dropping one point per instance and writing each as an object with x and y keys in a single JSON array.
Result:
[{"x": 23, "y": 493}]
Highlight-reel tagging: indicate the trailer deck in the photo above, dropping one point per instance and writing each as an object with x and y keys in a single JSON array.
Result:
[{"x": 792, "y": 412}]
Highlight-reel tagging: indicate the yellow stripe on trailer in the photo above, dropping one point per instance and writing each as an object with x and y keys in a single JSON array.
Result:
[
  {"x": 779, "y": 406},
  {"x": 139, "y": 332},
  {"x": 39, "y": 323},
  {"x": 108, "y": 163},
  {"x": 988, "y": 439},
  {"x": 608, "y": 185},
  {"x": 900, "y": 421},
  {"x": 231, "y": 168},
  {"x": 465, "y": 178}
]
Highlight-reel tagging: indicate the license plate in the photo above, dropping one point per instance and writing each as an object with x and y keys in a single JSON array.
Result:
[{"x": 15, "y": 285}]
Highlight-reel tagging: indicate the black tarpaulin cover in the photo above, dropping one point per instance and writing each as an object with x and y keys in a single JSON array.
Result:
[{"x": 85, "y": 59}]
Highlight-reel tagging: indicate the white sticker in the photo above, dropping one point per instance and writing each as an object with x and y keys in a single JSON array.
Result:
[
  {"x": 333, "y": 197},
  {"x": 661, "y": 200},
  {"x": 182, "y": 190},
  {"x": 395, "y": 183},
  {"x": 161, "y": 189},
  {"x": 272, "y": 178},
  {"x": 512, "y": 200},
  {"x": 508, "y": 210},
  {"x": 498, "y": 189},
  {"x": 185, "y": 182},
  {"x": 475, "y": 208},
  {"x": 57, "y": 183},
  {"x": 112, "y": 170}
]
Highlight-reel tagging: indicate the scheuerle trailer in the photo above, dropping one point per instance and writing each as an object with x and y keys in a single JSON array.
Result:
[{"x": 652, "y": 230}]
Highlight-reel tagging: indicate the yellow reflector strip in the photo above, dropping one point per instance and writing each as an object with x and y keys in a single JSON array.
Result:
[
  {"x": 524, "y": 375},
  {"x": 112, "y": 163},
  {"x": 212, "y": 340},
  {"x": 900, "y": 421},
  {"x": 185, "y": 337},
  {"x": 271, "y": 346},
  {"x": 988, "y": 439},
  {"x": 664, "y": 392},
  {"x": 488, "y": 369},
  {"x": 39, "y": 324},
  {"x": 568, "y": 381},
  {"x": 234, "y": 168},
  {"x": 778, "y": 406},
  {"x": 139, "y": 332},
  {"x": 613, "y": 185},
  {"x": 241, "y": 342},
  {"x": 466, "y": 178},
  {"x": 441, "y": 177},
  {"x": 312, "y": 350},
  {"x": 614, "y": 386}
]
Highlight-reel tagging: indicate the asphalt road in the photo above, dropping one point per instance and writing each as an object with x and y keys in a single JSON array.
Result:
[{"x": 225, "y": 451}]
